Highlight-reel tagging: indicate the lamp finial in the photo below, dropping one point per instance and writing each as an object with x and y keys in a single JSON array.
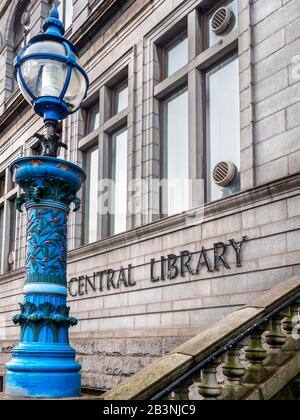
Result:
[
  {"x": 54, "y": 11},
  {"x": 53, "y": 25}
]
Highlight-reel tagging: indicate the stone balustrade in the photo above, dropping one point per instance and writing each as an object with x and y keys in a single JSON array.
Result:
[{"x": 252, "y": 354}]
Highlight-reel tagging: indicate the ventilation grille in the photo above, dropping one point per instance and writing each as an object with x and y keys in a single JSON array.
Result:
[
  {"x": 221, "y": 19},
  {"x": 224, "y": 173}
]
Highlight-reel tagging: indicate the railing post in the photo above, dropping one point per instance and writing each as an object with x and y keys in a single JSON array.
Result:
[
  {"x": 234, "y": 371},
  {"x": 209, "y": 388},
  {"x": 256, "y": 355},
  {"x": 182, "y": 392},
  {"x": 276, "y": 339},
  {"x": 289, "y": 325}
]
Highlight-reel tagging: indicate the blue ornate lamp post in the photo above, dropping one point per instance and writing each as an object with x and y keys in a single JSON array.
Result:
[{"x": 52, "y": 81}]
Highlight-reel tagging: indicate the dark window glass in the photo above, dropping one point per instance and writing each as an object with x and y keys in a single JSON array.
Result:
[
  {"x": 36, "y": 150},
  {"x": 223, "y": 124},
  {"x": 175, "y": 154}
]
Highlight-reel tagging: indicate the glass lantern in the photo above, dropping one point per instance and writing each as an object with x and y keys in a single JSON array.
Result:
[{"x": 49, "y": 73}]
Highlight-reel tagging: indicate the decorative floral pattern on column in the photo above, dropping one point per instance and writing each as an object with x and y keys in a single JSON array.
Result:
[{"x": 46, "y": 241}]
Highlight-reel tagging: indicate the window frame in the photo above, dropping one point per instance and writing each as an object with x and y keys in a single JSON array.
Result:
[
  {"x": 10, "y": 194},
  {"x": 201, "y": 58},
  {"x": 174, "y": 94},
  {"x": 87, "y": 118},
  {"x": 181, "y": 36},
  {"x": 92, "y": 147},
  {"x": 225, "y": 58},
  {"x": 109, "y": 125},
  {"x": 111, "y": 217},
  {"x": 113, "y": 96}
]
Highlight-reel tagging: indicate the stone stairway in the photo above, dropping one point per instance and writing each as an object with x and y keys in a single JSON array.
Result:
[{"x": 253, "y": 354}]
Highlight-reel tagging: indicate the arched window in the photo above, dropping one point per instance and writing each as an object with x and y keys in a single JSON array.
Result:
[
  {"x": 65, "y": 10},
  {"x": 22, "y": 30}
]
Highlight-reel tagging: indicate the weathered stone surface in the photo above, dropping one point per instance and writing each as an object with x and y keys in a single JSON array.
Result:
[
  {"x": 144, "y": 384},
  {"x": 205, "y": 341},
  {"x": 278, "y": 293},
  {"x": 277, "y": 382}
]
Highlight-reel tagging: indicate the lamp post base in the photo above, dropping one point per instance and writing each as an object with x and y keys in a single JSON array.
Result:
[{"x": 43, "y": 371}]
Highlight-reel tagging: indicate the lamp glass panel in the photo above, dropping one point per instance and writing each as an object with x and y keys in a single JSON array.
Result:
[
  {"x": 44, "y": 77},
  {"x": 48, "y": 47},
  {"x": 76, "y": 90},
  {"x": 23, "y": 90}
]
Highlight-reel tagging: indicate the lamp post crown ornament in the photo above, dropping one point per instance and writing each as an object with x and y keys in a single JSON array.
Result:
[
  {"x": 55, "y": 84},
  {"x": 51, "y": 78}
]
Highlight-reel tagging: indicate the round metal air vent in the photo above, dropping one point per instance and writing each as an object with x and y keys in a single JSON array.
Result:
[
  {"x": 221, "y": 20},
  {"x": 224, "y": 173}
]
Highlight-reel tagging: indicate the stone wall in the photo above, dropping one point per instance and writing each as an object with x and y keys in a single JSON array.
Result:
[{"x": 120, "y": 331}]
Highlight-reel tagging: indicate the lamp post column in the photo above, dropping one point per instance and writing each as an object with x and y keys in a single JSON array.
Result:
[{"x": 43, "y": 364}]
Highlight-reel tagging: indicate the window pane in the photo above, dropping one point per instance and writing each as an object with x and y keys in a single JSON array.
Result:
[
  {"x": 60, "y": 9},
  {"x": 121, "y": 99},
  {"x": 91, "y": 196},
  {"x": 68, "y": 13},
  {"x": 176, "y": 154},
  {"x": 12, "y": 229},
  {"x": 1, "y": 233},
  {"x": 93, "y": 118},
  {"x": 2, "y": 185},
  {"x": 176, "y": 57},
  {"x": 213, "y": 38},
  {"x": 223, "y": 124},
  {"x": 119, "y": 178}
]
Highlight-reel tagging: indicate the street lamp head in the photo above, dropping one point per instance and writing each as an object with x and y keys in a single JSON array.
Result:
[{"x": 49, "y": 73}]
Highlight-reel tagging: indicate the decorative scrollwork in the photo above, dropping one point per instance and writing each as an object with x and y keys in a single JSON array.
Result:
[
  {"x": 50, "y": 189},
  {"x": 45, "y": 312},
  {"x": 50, "y": 145}
]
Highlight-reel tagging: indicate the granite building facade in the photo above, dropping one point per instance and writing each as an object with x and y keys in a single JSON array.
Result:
[{"x": 160, "y": 250}]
